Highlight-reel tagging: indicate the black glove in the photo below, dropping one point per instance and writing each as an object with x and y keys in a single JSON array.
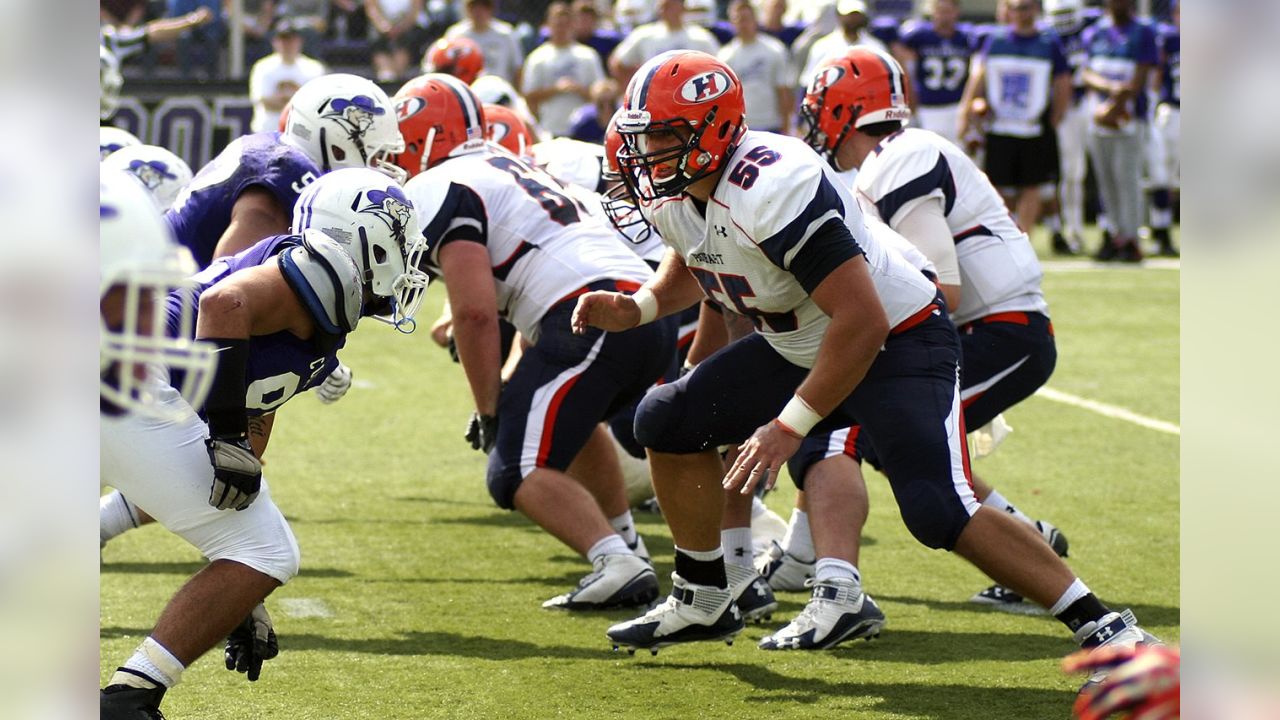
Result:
[
  {"x": 482, "y": 432},
  {"x": 237, "y": 474},
  {"x": 253, "y": 641}
]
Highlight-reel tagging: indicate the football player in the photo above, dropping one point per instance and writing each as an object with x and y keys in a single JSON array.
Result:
[
  {"x": 112, "y": 138},
  {"x": 510, "y": 243},
  {"x": 845, "y": 328},
  {"x": 163, "y": 173},
  {"x": 277, "y": 313},
  {"x": 936, "y": 54},
  {"x": 460, "y": 57},
  {"x": 1163, "y": 166}
]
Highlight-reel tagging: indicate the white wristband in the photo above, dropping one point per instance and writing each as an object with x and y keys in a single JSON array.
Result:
[
  {"x": 798, "y": 417},
  {"x": 648, "y": 304}
]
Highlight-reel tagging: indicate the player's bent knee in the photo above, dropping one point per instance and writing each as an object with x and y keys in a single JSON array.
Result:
[
  {"x": 934, "y": 525},
  {"x": 659, "y": 419},
  {"x": 503, "y": 480}
]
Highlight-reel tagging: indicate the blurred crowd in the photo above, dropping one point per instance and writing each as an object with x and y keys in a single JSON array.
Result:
[{"x": 1039, "y": 91}]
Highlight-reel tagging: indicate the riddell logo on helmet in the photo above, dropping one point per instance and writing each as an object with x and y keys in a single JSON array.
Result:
[
  {"x": 897, "y": 113},
  {"x": 707, "y": 86}
]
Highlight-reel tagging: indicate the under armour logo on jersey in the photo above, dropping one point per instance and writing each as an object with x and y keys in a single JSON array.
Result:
[
  {"x": 151, "y": 172},
  {"x": 722, "y": 231},
  {"x": 707, "y": 86}
]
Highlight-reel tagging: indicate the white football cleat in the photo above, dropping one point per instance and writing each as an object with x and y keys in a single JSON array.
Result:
[
  {"x": 751, "y": 592},
  {"x": 838, "y": 611},
  {"x": 784, "y": 571},
  {"x": 615, "y": 581},
  {"x": 690, "y": 614}
]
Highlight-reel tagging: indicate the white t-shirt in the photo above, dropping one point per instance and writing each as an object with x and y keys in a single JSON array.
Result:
[
  {"x": 833, "y": 45},
  {"x": 763, "y": 65},
  {"x": 265, "y": 79},
  {"x": 656, "y": 38},
  {"x": 545, "y": 66},
  {"x": 502, "y": 55},
  {"x": 999, "y": 271}
]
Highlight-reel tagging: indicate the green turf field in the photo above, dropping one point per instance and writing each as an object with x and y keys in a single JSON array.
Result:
[{"x": 432, "y": 594}]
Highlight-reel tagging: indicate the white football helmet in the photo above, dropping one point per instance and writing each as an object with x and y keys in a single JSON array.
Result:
[
  {"x": 109, "y": 82},
  {"x": 345, "y": 121},
  {"x": 162, "y": 172},
  {"x": 1064, "y": 16},
  {"x": 112, "y": 138},
  {"x": 142, "y": 335},
  {"x": 373, "y": 220}
]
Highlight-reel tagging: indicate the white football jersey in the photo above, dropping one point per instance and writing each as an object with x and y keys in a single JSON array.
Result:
[
  {"x": 649, "y": 248},
  {"x": 999, "y": 271},
  {"x": 773, "y": 197},
  {"x": 543, "y": 245},
  {"x": 571, "y": 161}
]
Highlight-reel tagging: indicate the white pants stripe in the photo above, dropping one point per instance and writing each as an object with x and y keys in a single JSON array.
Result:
[{"x": 541, "y": 407}]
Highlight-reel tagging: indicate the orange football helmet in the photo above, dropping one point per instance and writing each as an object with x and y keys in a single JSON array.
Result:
[
  {"x": 439, "y": 118},
  {"x": 688, "y": 94},
  {"x": 508, "y": 129},
  {"x": 460, "y": 57},
  {"x": 858, "y": 88}
]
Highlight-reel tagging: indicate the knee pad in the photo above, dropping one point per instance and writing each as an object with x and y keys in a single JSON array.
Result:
[
  {"x": 659, "y": 420},
  {"x": 503, "y": 480}
]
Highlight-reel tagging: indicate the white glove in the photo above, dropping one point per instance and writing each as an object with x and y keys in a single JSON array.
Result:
[
  {"x": 335, "y": 386},
  {"x": 237, "y": 474}
]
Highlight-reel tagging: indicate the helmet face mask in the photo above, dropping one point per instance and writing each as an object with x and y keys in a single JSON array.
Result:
[
  {"x": 682, "y": 118},
  {"x": 620, "y": 205}
]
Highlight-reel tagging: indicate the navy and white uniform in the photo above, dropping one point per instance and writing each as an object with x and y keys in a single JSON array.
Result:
[
  {"x": 1022, "y": 148},
  {"x": 545, "y": 249},
  {"x": 776, "y": 225},
  {"x": 1166, "y": 126},
  {"x": 1005, "y": 333},
  {"x": 202, "y": 211},
  {"x": 939, "y": 74}
]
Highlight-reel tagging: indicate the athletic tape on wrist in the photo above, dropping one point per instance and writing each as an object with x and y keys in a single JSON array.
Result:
[
  {"x": 648, "y": 304},
  {"x": 798, "y": 417}
]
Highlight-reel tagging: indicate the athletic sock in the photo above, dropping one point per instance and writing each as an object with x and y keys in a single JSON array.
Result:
[
  {"x": 996, "y": 501},
  {"x": 1053, "y": 222},
  {"x": 115, "y": 515},
  {"x": 1161, "y": 209},
  {"x": 608, "y": 545},
  {"x": 625, "y": 526},
  {"x": 736, "y": 543},
  {"x": 799, "y": 539},
  {"x": 151, "y": 665},
  {"x": 830, "y": 568},
  {"x": 1078, "y": 606},
  {"x": 704, "y": 567}
]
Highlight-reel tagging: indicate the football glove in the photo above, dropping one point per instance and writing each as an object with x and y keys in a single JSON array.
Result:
[
  {"x": 335, "y": 386},
  {"x": 252, "y": 642},
  {"x": 482, "y": 432},
  {"x": 237, "y": 474},
  {"x": 1142, "y": 683}
]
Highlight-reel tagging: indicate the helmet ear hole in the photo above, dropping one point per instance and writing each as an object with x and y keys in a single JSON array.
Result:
[
  {"x": 379, "y": 254},
  {"x": 338, "y": 153},
  {"x": 724, "y": 130}
]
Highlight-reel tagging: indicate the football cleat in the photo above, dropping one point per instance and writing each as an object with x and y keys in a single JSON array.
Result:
[
  {"x": 691, "y": 613},
  {"x": 751, "y": 592},
  {"x": 615, "y": 581},
  {"x": 1054, "y": 537},
  {"x": 784, "y": 571},
  {"x": 640, "y": 550},
  {"x": 1115, "y": 629},
  {"x": 838, "y": 611},
  {"x": 999, "y": 597},
  {"x": 125, "y": 702},
  {"x": 1062, "y": 245}
]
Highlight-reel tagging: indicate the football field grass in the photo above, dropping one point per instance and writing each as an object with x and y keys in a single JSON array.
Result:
[{"x": 418, "y": 598}]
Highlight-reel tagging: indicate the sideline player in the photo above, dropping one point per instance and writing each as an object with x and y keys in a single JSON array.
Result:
[
  {"x": 509, "y": 243},
  {"x": 1166, "y": 128},
  {"x": 277, "y": 313},
  {"x": 846, "y": 328},
  {"x": 936, "y": 53}
]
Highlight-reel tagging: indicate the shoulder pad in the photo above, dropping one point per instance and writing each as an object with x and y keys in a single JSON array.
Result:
[{"x": 326, "y": 279}]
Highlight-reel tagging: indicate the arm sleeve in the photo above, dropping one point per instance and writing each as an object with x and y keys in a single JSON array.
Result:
[
  {"x": 808, "y": 240},
  {"x": 926, "y": 227},
  {"x": 827, "y": 249}
]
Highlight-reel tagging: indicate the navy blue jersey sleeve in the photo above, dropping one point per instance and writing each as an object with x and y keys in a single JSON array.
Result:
[
  {"x": 938, "y": 178},
  {"x": 1057, "y": 55},
  {"x": 827, "y": 249},
  {"x": 1146, "y": 51},
  {"x": 461, "y": 217},
  {"x": 782, "y": 244}
]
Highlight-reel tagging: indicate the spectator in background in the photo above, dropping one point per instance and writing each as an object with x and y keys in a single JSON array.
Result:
[
  {"x": 703, "y": 14},
  {"x": 772, "y": 21},
  {"x": 347, "y": 22},
  {"x": 587, "y": 30},
  {"x": 588, "y": 122},
  {"x": 764, "y": 68},
  {"x": 1122, "y": 52},
  {"x": 558, "y": 75},
  {"x": 122, "y": 13},
  {"x": 397, "y": 37},
  {"x": 936, "y": 55},
  {"x": 200, "y": 47},
  {"x": 275, "y": 78},
  {"x": 631, "y": 14},
  {"x": 256, "y": 20},
  {"x": 1022, "y": 74},
  {"x": 502, "y": 54},
  {"x": 124, "y": 42},
  {"x": 670, "y": 32},
  {"x": 852, "y": 30},
  {"x": 310, "y": 17}
]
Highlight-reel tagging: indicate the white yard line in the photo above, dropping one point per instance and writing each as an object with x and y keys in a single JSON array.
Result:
[
  {"x": 1092, "y": 266},
  {"x": 305, "y": 608},
  {"x": 1111, "y": 411}
]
